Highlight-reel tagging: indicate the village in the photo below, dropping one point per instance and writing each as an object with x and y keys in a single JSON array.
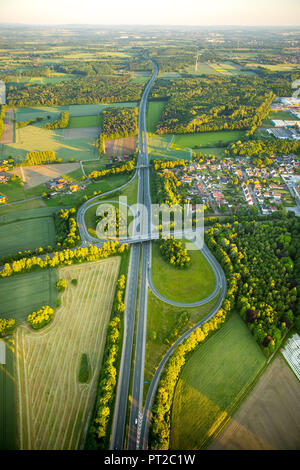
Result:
[{"x": 227, "y": 185}]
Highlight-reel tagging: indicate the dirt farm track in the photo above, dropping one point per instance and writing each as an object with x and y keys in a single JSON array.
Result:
[
  {"x": 52, "y": 405},
  {"x": 270, "y": 416}
]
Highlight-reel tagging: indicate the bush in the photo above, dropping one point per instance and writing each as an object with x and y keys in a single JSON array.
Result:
[
  {"x": 84, "y": 369},
  {"x": 61, "y": 285}
]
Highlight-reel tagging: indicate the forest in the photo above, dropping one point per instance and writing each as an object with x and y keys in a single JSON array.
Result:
[
  {"x": 81, "y": 90},
  {"x": 119, "y": 122},
  {"x": 216, "y": 103},
  {"x": 264, "y": 260}
]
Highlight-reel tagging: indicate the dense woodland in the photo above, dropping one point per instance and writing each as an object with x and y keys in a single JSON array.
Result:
[
  {"x": 261, "y": 149},
  {"x": 119, "y": 122},
  {"x": 216, "y": 103},
  {"x": 82, "y": 90},
  {"x": 262, "y": 258}
]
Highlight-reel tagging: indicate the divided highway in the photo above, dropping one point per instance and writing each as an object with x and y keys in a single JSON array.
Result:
[{"x": 139, "y": 419}]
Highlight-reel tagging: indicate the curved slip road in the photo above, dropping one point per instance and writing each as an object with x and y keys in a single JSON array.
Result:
[{"x": 145, "y": 420}]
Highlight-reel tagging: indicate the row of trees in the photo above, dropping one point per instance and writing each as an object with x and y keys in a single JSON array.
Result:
[
  {"x": 115, "y": 170},
  {"x": 39, "y": 157},
  {"x": 60, "y": 123},
  {"x": 2, "y": 114},
  {"x": 65, "y": 257},
  {"x": 67, "y": 233},
  {"x": 108, "y": 376}
]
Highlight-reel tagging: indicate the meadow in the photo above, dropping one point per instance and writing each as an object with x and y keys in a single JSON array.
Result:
[
  {"x": 84, "y": 121},
  {"x": 8, "y": 408},
  {"x": 23, "y": 294},
  {"x": 190, "y": 284},
  {"x": 207, "y": 139},
  {"x": 162, "y": 319},
  {"x": 27, "y": 234},
  {"x": 53, "y": 406},
  {"x": 66, "y": 143},
  {"x": 212, "y": 383},
  {"x": 154, "y": 112}
]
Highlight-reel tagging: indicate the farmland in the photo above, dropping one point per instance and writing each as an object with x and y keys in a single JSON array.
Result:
[
  {"x": 36, "y": 138},
  {"x": 189, "y": 284},
  {"x": 77, "y": 141},
  {"x": 162, "y": 319},
  {"x": 8, "y": 416},
  {"x": 27, "y": 234},
  {"x": 275, "y": 400},
  {"x": 121, "y": 146},
  {"x": 154, "y": 112},
  {"x": 212, "y": 382},
  {"x": 161, "y": 146},
  {"x": 207, "y": 139},
  {"x": 53, "y": 406},
  {"x": 84, "y": 121},
  {"x": 35, "y": 175},
  {"x": 21, "y": 295}
]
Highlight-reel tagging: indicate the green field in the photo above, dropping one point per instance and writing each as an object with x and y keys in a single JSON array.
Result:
[
  {"x": 160, "y": 147},
  {"x": 189, "y": 284},
  {"x": 213, "y": 381},
  {"x": 26, "y": 234},
  {"x": 15, "y": 192},
  {"x": 8, "y": 413},
  {"x": 162, "y": 319},
  {"x": 154, "y": 112},
  {"x": 216, "y": 151},
  {"x": 84, "y": 121},
  {"x": 23, "y": 294},
  {"x": 207, "y": 139},
  {"x": 35, "y": 137},
  {"x": 22, "y": 206}
]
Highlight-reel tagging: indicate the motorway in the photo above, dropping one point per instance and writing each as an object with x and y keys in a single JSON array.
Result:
[
  {"x": 118, "y": 428},
  {"x": 139, "y": 419}
]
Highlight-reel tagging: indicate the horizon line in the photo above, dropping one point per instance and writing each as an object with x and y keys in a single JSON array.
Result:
[{"x": 154, "y": 25}]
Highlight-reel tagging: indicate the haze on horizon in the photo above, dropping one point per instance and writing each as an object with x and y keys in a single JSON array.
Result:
[{"x": 156, "y": 12}]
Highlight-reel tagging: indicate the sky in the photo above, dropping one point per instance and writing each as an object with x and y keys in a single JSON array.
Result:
[{"x": 154, "y": 12}]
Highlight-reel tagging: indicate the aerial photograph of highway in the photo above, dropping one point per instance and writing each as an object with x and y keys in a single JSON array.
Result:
[{"x": 150, "y": 229}]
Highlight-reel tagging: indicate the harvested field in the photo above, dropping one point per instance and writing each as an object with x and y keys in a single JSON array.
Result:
[
  {"x": 82, "y": 133},
  {"x": 32, "y": 138},
  {"x": 211, "y": 384},
  {"x": 39, "y": 174},
  {"x": 119, "y": 147},
  {"x": 52, "y": 406},
  {"x": 8, "y": 130},
  {"x": 270, "y": 417}
]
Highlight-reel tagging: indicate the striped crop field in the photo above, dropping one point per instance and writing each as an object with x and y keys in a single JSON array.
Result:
[{"x": 53, "y": 407}]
